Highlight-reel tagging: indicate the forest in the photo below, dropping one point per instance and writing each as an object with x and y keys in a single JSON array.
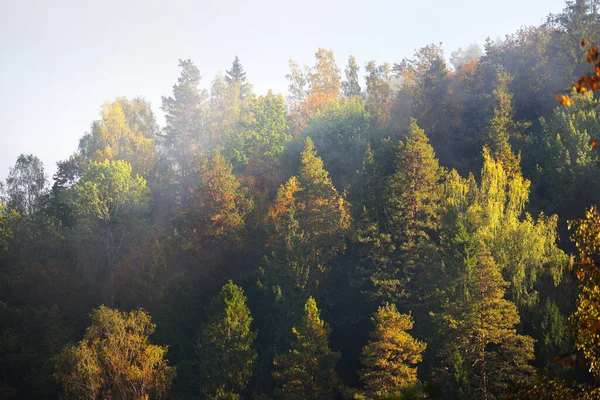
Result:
[{"x": 408, "y": 229}]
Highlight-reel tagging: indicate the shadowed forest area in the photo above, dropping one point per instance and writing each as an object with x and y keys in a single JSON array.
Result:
[{"x": 384, "y": 230}]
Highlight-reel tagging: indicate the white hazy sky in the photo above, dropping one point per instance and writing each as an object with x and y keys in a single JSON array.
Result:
[{"x": 61, "y": 59}]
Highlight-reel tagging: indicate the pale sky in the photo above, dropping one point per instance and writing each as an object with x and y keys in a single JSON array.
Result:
[{"x": 60, "y": 60}]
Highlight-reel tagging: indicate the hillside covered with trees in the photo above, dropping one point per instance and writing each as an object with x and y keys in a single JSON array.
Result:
[{"x": 384, "y": 230}]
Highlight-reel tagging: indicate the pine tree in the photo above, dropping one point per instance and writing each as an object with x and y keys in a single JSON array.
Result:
[
  {"x": 484, "y": 357},
  {"x": 308, "y": 221},
  {"x": 391, "y": 355},
  {"x": 413, "y": 209},
  {"x": 307, "y": 370},
  {"x": 351, "y": 86},
  {"x": 225, "y": 354}
]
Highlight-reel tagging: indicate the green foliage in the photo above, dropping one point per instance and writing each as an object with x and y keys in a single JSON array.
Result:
[
  {"x": 109, "y": 201},
  {"x": 351, "y": 86},
  {"x": 413, "y": 210},
  {"x": 523, "y": 248},
  {"x": 184, "y": 134},
  {"x": 258, "y": 144},
  {"x": 115, "y": 359},
  {"x": 483, "y": 355},
  {"x": 307, "y": 370},
  {"x": 25, "y": 185},
  {"x": 225, "y": 354},
  {"x": 566, "y": 171},
  {"x": 340, "y": 133},
  {"x": 30, "y": 338},
  {"x": 5, "y": 231}
]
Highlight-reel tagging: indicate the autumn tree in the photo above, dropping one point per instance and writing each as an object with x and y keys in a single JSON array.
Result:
[
  {"x": 307, "y": 370},
  {"x": 126, "y": 131},
  {"x": 391, "y": 355},
  {"x": 225, "y": 355},
  {"x": 310, "y": 89},
  {"x": 115, "y": 359},
  {"x": 586, "y": 318},
  {"x": 219, "y": 204}
]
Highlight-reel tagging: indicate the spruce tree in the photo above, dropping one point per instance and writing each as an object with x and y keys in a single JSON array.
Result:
[
  {"x": 391, "y": 355},
  {"x": 307, "y": 370},
  {"x": 184, "y": 135},
  {"x": 237, "y": 76},
  {"x": 225, "y": 355},
  {"x": 413, "y": 210},
  {"x": 484, "y": 357}
]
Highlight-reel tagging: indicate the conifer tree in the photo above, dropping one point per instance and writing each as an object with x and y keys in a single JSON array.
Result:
[
  {"x": 391, "y": 355},
  {"x": 413, "y": 208},
  {"x": 237, "y": 76},
  {"x": 307, "y": 370},
  {"x": 308, "y": 219},
  {"x": 184, "y": 135},
  {"x": 225, "y": 354},
  {"x": 484, "y": 357}
]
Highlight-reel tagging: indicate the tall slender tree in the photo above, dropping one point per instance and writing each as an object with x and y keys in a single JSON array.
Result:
[
  {"x": 307, "y": 370},
  {"x": 413, "y": 210},
  {"x": 351, "y": 86},
  {"x": 184, "y": 133},
  {"x": 225, "y": 354}
]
